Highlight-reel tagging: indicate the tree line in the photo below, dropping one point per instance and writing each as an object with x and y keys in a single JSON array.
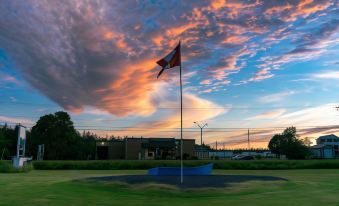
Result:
[
  {"x": 57, "y": 133},
  {"x": 63, "y": 142}
]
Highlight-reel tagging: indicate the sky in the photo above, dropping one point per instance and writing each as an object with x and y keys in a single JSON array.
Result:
[{"x": 258, "y": 64}]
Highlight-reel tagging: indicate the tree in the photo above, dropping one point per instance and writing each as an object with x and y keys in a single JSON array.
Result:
[
  {"x": 275, "y": 144},
  {"x": 57, "y": 133},
  {"x": 8, "y": 141},
  {"x": 307, "y": 141},
  {"x": 88, "y": 145},
  {"x": 288, "y": 144}
]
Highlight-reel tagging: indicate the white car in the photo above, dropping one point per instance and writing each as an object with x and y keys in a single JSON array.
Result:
[
  {"x": 242, "y": 157},
  {"x": 237, "y": 157}
]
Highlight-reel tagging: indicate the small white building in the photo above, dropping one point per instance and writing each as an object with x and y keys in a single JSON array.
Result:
[
  {"x": 206, "y": 154},
  {"x": 221, "y": 154},
  {"x": 327, "y": 147}
]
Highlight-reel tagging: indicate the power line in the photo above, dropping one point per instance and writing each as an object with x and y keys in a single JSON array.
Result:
[
  {"x": 152, "y": 108},
  {"x": 192, "y": 130},
  {"x": 118, "y": 120},
  {"x": 210, "y": 129}
]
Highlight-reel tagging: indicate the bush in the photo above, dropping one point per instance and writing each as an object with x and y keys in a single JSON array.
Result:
[
  {"x": 6, "y": 167},
  {"x": 218, "y": 164},
  {"x": 258, "y": 157}
]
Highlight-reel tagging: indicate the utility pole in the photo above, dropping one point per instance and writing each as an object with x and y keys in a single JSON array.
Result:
[
  {"x": 126, "y": 148},
  {"x": 216, "y": 145},
  {"x": 248, "y": 139},
  {"x": 223, "y": 148},
  {"x": 201, "y": 127}
]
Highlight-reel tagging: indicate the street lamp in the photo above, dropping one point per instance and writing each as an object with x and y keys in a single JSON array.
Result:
[{"x": 201, "y": 127}]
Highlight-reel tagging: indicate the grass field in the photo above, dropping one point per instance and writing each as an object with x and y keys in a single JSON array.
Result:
[{"x": 43, "y": 187}]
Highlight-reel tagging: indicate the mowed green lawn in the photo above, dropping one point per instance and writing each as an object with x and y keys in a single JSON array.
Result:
[{"x": 38, "y": 187}]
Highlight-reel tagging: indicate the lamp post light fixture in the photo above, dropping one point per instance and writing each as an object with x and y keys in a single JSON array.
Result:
[{"x": 201, "y": 127}]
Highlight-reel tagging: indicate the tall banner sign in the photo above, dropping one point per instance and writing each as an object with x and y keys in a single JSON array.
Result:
[{"x": 21, "y": 141}]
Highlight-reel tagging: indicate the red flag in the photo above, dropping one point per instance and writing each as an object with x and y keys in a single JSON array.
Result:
[{"x": 171, "y": 60}]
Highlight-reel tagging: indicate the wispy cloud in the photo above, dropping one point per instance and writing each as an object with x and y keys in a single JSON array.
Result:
[
  {"x": 13, "y": 99},
  {"x": 327, "y": 75},
  {"x": 206, "y": 91},
  {"x": 268, "y": 115},
  {"x": 15, "y": 120},
  {"x": 5, "y": 78},
  {"x": 205, "y": 81},
  {"x": 276, "y": 97}
]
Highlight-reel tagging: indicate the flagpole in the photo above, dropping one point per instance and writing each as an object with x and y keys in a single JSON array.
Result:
[
  {"x": 181, "y": 141},
  {"x": 168, "y": 62}
]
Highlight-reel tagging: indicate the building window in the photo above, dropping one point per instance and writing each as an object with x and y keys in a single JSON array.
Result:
[
  {"x": 329, "y": 140},
  {"x": 150, "y": 154}
]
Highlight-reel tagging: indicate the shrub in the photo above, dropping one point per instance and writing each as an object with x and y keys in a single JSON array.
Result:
[
  {"x": 6, "y": 167},
  {"x": 258, "y": 157},
  {"x": 218, "y": 164}
]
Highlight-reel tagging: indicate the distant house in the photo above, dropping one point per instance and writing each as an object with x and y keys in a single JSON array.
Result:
[{"x": 327, "y": 147}]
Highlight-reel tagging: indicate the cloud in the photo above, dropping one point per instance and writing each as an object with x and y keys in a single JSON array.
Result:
[
  {"x": 309, "y": 44},
  {"x": 291, "y": 10},
  {"x": 195, "y": 109},
  {"x": 276, "y": 97},
  {"x": 205, "y": 81},
  {"x": 167, "y": 121},
  {"x": 78, "y": 63},
  {"x": 311, "y": 121},
  {"x": 102, "y": 55},
  {"x": 13, "y": 99},
  {"x": 313, "y": 131},
  {"x": 312, "y": 115},
  {"x": 327, "y": 75},
  {"x": 260, "y": 75},
  {"x": 5, "y": 78},
  {"x": 22, "y": 121},
  {"x": 206, "y": 91},
  {"x": 268, "y": 115}
]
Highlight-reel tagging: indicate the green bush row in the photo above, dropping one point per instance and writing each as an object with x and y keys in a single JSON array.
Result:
[{"x": 219, "y": 164}]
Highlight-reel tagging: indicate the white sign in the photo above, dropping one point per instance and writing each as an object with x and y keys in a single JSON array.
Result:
[
  {"x": 22, "y": 133},
  {"x": 20, "y": 151}
]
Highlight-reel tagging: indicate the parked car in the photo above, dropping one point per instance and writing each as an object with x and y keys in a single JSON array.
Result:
[
  {"x": 242, "y": 157},
  {"x": 236, "y": 157}
]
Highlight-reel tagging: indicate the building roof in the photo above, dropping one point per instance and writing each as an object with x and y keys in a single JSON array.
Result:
[
  {"x": 319, "y": 146},
  {"x": 331, "y": 136}
]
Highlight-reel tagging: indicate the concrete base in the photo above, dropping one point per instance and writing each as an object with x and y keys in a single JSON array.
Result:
[{"x": 19, "y": 162}]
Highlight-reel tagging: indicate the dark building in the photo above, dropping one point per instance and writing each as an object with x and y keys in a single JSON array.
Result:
[{"x": 145, "y": 148}]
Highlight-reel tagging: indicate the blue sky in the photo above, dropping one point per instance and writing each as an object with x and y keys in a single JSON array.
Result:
[{"x": 263, "y": 65}]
